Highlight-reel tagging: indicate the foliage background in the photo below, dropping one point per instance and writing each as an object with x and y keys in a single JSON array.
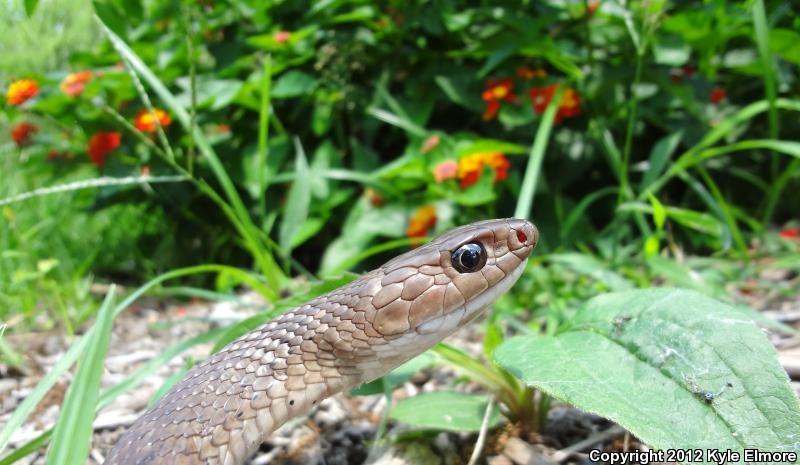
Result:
[{"x": 369, "y": 103}]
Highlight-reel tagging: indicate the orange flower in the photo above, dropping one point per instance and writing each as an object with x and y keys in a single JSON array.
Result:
[
  {"x": 445, "y": 170},
  {"x": 144, "y": 171},
  {"x": 282, "y": 37},
  {"x": 20, "y": 91},
  {"x": 528, "y": 73},
  {"x": 74, "y": 83},
  {"x": 423, "y": 220},
  {"x": 430, "y": 143},
  {"x": 717, "y": 95},
  {"x": 471, "y": 167},
  {"x": 101, "y": 144},
  {"x": 496, "y": 91},
  {"x": 569, "y": 106},
  {"x": 22, "y": 133},
  {"x": 145, "y": 121}
]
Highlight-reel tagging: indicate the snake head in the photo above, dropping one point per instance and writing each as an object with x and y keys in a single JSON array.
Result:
[{"x": 437, "y": 288}]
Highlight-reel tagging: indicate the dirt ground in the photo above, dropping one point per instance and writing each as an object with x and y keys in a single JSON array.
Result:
[{"x": 342, "y": 429}]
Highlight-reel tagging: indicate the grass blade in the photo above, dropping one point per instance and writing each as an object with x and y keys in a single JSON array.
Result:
[
  {"x": 74, "y": 427},
  {"x": 48, "y": 381},
  {"x": 298, "y": 201},
  {"x": 536, "y": 156},
  {"x": 249, "y": 231}
]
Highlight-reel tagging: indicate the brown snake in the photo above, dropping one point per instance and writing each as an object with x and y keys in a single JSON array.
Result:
[{"x": 226, "y": 406}]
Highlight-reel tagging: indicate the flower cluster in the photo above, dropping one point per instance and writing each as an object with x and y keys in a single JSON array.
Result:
[
  {"x": 469, "y": 169},
  {"x": 423, "y": 220},
  {"x": 147, "y": 121},
  {"x": 21, "y": 91},
  {"x": 568, "y": 107},
  {"x": 500, "y": 90},
  {"x": 717, "y": 95},
  {"x": 101, "y": 144},
  {"x": 22, "y": 132},
  {"x": 74, "y": 83}
]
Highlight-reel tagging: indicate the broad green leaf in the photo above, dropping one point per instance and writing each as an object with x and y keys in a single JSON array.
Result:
[
  {"x": 292, "y": 84},
  {"x": 447, "y": 411},
  {"x": 298, "y": 201},
  {"x": 676, "y": 368},
  {"x": 73, "y": 430}
]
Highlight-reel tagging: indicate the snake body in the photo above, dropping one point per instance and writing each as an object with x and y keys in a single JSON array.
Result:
[{"x": 226, "y": 406}]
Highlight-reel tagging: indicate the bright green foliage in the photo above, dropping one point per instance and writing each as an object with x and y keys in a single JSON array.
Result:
[
  {"x": 448, "y": 411},
  {"x": 676, "y": 368}
]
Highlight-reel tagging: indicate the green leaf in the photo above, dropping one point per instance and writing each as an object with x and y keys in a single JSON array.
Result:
[
  {"x": 659, "y": 157},
  {"x": 109, "y": 13},
  {"x": 298, "y": 201},
  {"x": 786, "y": 44},
  {"x": 292, "y": 84},
  {"x": 447, "y": 411},
  {"x": 468, "y": 147},
  {"x": 74, "y": 427},
  {"x": 30, "y": 7},
  {"x": 676, "y": 368},
  {"x": 659, "y": 213}
]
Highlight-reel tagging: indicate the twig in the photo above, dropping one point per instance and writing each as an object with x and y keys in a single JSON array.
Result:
[
  {"x": 476, "y": 453},
  {"x": 612, "y": 432}
]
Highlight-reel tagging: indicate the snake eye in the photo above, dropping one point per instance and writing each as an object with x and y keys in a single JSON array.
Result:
[{"x": 469, "y": 258}]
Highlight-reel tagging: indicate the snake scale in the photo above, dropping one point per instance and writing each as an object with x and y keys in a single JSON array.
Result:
[{"x": 226, "y": 406}]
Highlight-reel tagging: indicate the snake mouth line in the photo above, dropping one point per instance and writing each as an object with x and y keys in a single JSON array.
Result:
[{"x": 463, "y": 314}]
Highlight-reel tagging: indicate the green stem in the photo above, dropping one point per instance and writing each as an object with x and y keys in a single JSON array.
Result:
[
  {"x": 624, "y": 187},
  {"x": 536, "y": 156},
  {"x": 263, "y": 136}
]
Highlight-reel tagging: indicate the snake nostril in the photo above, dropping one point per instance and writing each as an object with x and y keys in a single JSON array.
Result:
[{"x": 521, "y": 236}]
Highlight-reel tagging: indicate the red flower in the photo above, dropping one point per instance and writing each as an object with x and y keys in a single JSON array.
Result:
[
  {"x": 717, "y": 95},
  {"x": 74, "y": 83},
  {"x": 470, "y": 167},
  {"x": 21, "y": 133},
  {"x": 145, "y": 121},
  {"x": 21, "y": 91},
  {"x": 568, "y": 107},
  {"x": 423, "y": 220},
  {"x": 101, "y": 144},
  {"x": 495, "y": 92},
  {"x": 790, "y": 233}
]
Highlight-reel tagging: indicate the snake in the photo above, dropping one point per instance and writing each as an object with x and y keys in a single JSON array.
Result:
[{"x": 226, "y": 406}]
